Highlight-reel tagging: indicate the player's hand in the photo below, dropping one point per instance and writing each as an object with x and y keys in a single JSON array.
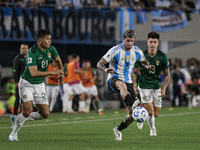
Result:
[
  {"x": 109, "y": 70},
  {"x": 151, "y": 67},
  {"x": 61, "y": 77},
  {"x": 57, "y": 72},
  {"x": 17, "y": 85},
  {"x": 136, "y": 90},
  {"x": 162, "y": 93}
]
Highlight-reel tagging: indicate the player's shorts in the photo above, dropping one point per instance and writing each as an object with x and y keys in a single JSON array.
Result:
[
  {"x": 66, "y": 87},
  {"x": 32, "y": 92},
  {"x": 112, "y": 86},
  {"x": 151, "y": 96},
  {"x": 76, "y": 89},
  {"x": 92, "y": 90}
]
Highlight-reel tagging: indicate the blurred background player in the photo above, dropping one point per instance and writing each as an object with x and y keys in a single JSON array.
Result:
[
  {"x": 121, "y": 59},
  {"x": 150, "y": 89},
  {"x": 75, "y": 86},
  {"x": 52, "y": 85},
  {"x": 88, "y": 81},
  {"x": 65, "y": 96},
  {"x": 19, "y": 64}
]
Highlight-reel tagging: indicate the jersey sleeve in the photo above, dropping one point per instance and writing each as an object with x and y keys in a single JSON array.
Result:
[
  {"x": 137, "y": 64},
  {"x": 31, "y": 59},
  {"x": 165, "y": 62},
  {"x": 141, "y": 54},
  {"x": 16, "y": 65},
  {"x": 54, "y": 52},
  {"x": 108, "y": 56}
]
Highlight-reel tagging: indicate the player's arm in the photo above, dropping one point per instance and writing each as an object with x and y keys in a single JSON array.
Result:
[
  {"x": 39, "y": 74},
  {"x": 145, "y": 63},
  {"x": 133, "y": 79},
  {"x": 166, "y": 81},
  {"x": 60, "y": 67},
  {"x": 101, "y": 65},
  {"x": 16, "y": 64}
]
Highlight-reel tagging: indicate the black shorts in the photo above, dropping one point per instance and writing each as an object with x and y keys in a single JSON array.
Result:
[{"x": 113, "y": 88}]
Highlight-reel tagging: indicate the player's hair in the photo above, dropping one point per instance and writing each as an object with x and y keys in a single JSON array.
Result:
[
  {"x": 153, "y": 35},
  {"x": 41, "y": 33},
  {"x": 86, "y": 60},
  {"x": 129, "y": 33},
  {"x": 74, "y": 55},
  {"x": 24, "y": 44}
]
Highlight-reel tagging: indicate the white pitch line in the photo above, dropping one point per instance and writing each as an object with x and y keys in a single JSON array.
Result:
[{"x": 82, "y": 121}]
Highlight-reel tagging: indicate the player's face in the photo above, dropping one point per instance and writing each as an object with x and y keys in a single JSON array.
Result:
[
  {"x": 152, "y": 44},
  {"x": 24, "y": 49},
  {"x": 128, "y": 43},
  {"x": 45, "y": 41}
]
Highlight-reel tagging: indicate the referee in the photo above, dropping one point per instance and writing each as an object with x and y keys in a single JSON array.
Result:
[{"x": 19, "y": 64}]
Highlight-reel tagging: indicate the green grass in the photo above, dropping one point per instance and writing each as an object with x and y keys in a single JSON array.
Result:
[{"x": 177, "y": 129}]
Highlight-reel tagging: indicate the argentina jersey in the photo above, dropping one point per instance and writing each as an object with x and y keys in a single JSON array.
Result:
[{"x": 123, "y": 61}]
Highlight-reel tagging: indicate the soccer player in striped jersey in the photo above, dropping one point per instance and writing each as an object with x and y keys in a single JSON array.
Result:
[
  {"x": 150, "y": 89},
  {"x": 31, "y": 83},
  {"x": 121, "y": 59}
]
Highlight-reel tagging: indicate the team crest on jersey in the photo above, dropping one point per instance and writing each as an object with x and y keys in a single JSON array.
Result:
[
  {"x": 157, "y": 62},
  {"x": 127, "y": 58},
  {"x": 108, "y": 55},
  {"x": 29, "y": 60},
  {"x": 49, "y": 55},
  {"x": 144, "y": 98},
  {"x": 122, "y": 58},
  {"x": 24, "y": 96}
]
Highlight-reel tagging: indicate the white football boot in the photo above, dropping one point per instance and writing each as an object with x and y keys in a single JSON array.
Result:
[
  {"x": 118, "y": 134},
  {"x": 140, "y": 125},
  {"x": 153, "y": 132},
  {"x": 13, "y": 137}
]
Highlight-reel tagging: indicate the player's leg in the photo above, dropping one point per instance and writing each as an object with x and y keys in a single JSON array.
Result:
[
  {"x": 65, "y": 98},
  {"x": 19, "y": 121},
  {"x": 70, "y": 100},
  {"x": 54, "y": 95}
]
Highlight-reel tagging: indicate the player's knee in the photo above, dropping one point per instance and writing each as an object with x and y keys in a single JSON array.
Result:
[
  {"x": 26, "y": 113},
  {"x": 151, "y": 113},
  {"x": 45, "y": 115},
  {"x": 156, "y": 115}
]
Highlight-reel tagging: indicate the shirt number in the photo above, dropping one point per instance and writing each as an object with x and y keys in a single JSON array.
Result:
[{"x": 44, "y": 63}]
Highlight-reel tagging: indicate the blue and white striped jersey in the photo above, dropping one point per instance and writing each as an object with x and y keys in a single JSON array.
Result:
[{"x": 123, "y": 62}]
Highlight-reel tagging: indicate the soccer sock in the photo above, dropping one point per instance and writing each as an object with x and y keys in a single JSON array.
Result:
[
  {"x": 69, "y": 105},
  {"x": 34, "y": 116},
  {"x": 151, "y": 122},
  {"x": 128, "y": 100},
  {"x": 81, "y": 105},
  {"x": 53, "y": 102},
  {"x": 88, "y": 101},
  {"x": 18, "y": 123},
  {"x": 122, "y": 126}
]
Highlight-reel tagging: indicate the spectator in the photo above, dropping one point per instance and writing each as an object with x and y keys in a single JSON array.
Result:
[
  {"x": 64, "y": 4},
  {"x": 162, "y": 4},
  {"x": 4, "y": 3},
  {"x": 178, "y": 80},
  {"x": 10, "y": 88},
  {"x": 2, "y": 109}
]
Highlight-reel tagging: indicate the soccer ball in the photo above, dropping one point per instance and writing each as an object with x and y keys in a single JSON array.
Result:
[{"x": 140, "y": 114}]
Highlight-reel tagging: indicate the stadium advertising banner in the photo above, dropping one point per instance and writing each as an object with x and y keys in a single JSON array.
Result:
[
  {"x": 71, "y": 26},
  {"x": 165, "y": 20}
]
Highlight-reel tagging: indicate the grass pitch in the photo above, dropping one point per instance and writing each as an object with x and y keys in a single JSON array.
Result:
[{"x": 177, "y": 129}]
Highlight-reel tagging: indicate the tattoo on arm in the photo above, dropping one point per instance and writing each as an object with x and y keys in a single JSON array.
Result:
[
  {"x": 167, "y": 78},
  {"x": 101, "y": 64},
  {"x": 145, "y": 63}
]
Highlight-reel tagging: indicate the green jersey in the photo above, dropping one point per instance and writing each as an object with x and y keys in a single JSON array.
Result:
[
  {"x": 39, "y": 58},
  {"x": 151, "y": 79}
]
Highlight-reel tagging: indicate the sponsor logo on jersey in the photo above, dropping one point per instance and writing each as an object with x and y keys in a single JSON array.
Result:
[
  {"x": 49, "y": 55},
  {"x": 132, "y": 58},
  {"x": 127, "y": 58},
  {"x": 167, "y": 63},
  {"x": 29, "y": 60},
  {"x": 122, "y": 58},
  {"x": 24, "y": 96},
  {"x": 108, "y": 55},
  {"x": 157, "y": 62}
]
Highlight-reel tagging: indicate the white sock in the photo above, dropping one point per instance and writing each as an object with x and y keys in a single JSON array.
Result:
[
  {"x": 52, "y": 104},
  {"x": 34, "y": 116},
  {"x": 151, "y": 122},
  {"x": 64, "y": 101},
  {"x": 19, "y": 121},
  {"x": 69, "y": 105},
  {"x": 88, "y": 101},
  {"x": 81, "y": 105}
]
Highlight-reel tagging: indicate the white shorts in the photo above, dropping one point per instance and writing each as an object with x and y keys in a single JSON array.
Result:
[
  {"x": 92, "y": 90},
  {"x": 66, "y": 87},
  {"x": 76, "y": 89},
  {"x": 151, "y": 96},
  {"x": 32, "y": 92}
]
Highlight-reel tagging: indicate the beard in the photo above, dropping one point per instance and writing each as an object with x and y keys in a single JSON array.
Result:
[{"x": 44, "y": 46}]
